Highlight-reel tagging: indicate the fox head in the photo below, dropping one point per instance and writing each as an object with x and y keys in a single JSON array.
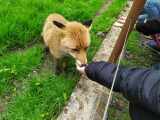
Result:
[{"x": 76, "y": 39}]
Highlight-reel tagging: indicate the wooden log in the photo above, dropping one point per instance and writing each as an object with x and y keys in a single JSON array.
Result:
[{"x": 130, "y": 22}]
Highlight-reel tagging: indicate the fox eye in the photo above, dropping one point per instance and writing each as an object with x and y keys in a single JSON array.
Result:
[
  {"x": 86, "y": 48},
  {"x": 75, "y": 50}
]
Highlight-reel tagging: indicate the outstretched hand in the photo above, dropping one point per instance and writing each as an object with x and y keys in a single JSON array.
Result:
[{"x": 81, "y": 67}]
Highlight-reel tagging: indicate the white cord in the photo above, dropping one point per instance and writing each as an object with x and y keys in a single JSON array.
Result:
[{"x": 105, "y": 116}]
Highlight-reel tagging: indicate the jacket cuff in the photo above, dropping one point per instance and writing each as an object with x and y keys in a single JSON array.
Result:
[{"x": 89, "y": 72}]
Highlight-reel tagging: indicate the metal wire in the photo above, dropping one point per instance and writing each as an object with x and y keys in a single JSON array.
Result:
[{"x": 105, "y": 116}]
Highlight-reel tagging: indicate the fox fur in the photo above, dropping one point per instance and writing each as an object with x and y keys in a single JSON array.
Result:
[{"x": 64, "y": 37}]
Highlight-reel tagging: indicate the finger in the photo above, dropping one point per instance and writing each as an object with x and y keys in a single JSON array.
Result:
[{"x": 81, "y": 69}]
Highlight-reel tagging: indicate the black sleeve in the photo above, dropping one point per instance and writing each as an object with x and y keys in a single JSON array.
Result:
[
  {"x": 149, "y": 27},
  {"x": 103, "y": 73},
  {"x": 141, "y": 86}
]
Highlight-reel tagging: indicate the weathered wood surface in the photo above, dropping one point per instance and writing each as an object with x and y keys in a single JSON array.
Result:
[{"x": 88, "y": 100}]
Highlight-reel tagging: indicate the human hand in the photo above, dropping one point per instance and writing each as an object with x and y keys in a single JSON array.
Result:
[{"x": 81, "y": 67}]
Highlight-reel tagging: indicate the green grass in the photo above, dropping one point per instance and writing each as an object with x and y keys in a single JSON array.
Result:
[
  {"x": 119, "y": 109},
  {"x": 18, "y": 65},
  {"x": 41, "y": 95},
  {"x": 140, "y": 55},
  {"x": 22, "y": 20},
  {"x": 42, "y": 99},
  {"x": 103, "y": 23}
]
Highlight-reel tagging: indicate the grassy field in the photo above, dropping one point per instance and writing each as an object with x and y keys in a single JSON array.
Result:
[
  {"x": 22, "y": 20},
  {"x": 138, "y": 54},
  {"x": 28, "y": 89}
]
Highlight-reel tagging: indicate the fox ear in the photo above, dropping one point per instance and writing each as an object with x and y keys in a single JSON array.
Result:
[
  {"x": 87, "y": 23},
  {"x": 58, "y": 24}
]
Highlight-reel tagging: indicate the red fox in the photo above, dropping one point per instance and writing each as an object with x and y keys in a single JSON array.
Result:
[{"x": 66, "y": 37}]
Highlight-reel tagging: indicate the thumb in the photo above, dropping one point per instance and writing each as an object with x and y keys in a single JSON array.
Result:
[{"x": 80, "y": 69}]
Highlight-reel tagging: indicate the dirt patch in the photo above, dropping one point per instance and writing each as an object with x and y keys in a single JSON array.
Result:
[{"x": 104, "y": 7}]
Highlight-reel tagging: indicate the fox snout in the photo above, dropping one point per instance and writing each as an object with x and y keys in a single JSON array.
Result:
[
  {"x": 80, "y": 57},
  {"x": 82, "y": 61}
]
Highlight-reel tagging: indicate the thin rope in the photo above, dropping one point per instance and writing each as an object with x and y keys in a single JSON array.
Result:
[{"x": 105, "y": 116}]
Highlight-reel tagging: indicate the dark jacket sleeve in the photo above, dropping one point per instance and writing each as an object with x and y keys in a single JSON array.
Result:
[
  {"x": 141, "y": 86},
  {"x": 149, "y": 27}
]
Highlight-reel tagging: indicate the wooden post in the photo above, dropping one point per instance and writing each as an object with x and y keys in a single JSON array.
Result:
[{"x": 130, "y": 21}]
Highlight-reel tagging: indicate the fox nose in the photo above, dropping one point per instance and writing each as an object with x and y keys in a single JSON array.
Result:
[
  {"x": 81, "y": 57},
  {"x": 82, "y": 62}
]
